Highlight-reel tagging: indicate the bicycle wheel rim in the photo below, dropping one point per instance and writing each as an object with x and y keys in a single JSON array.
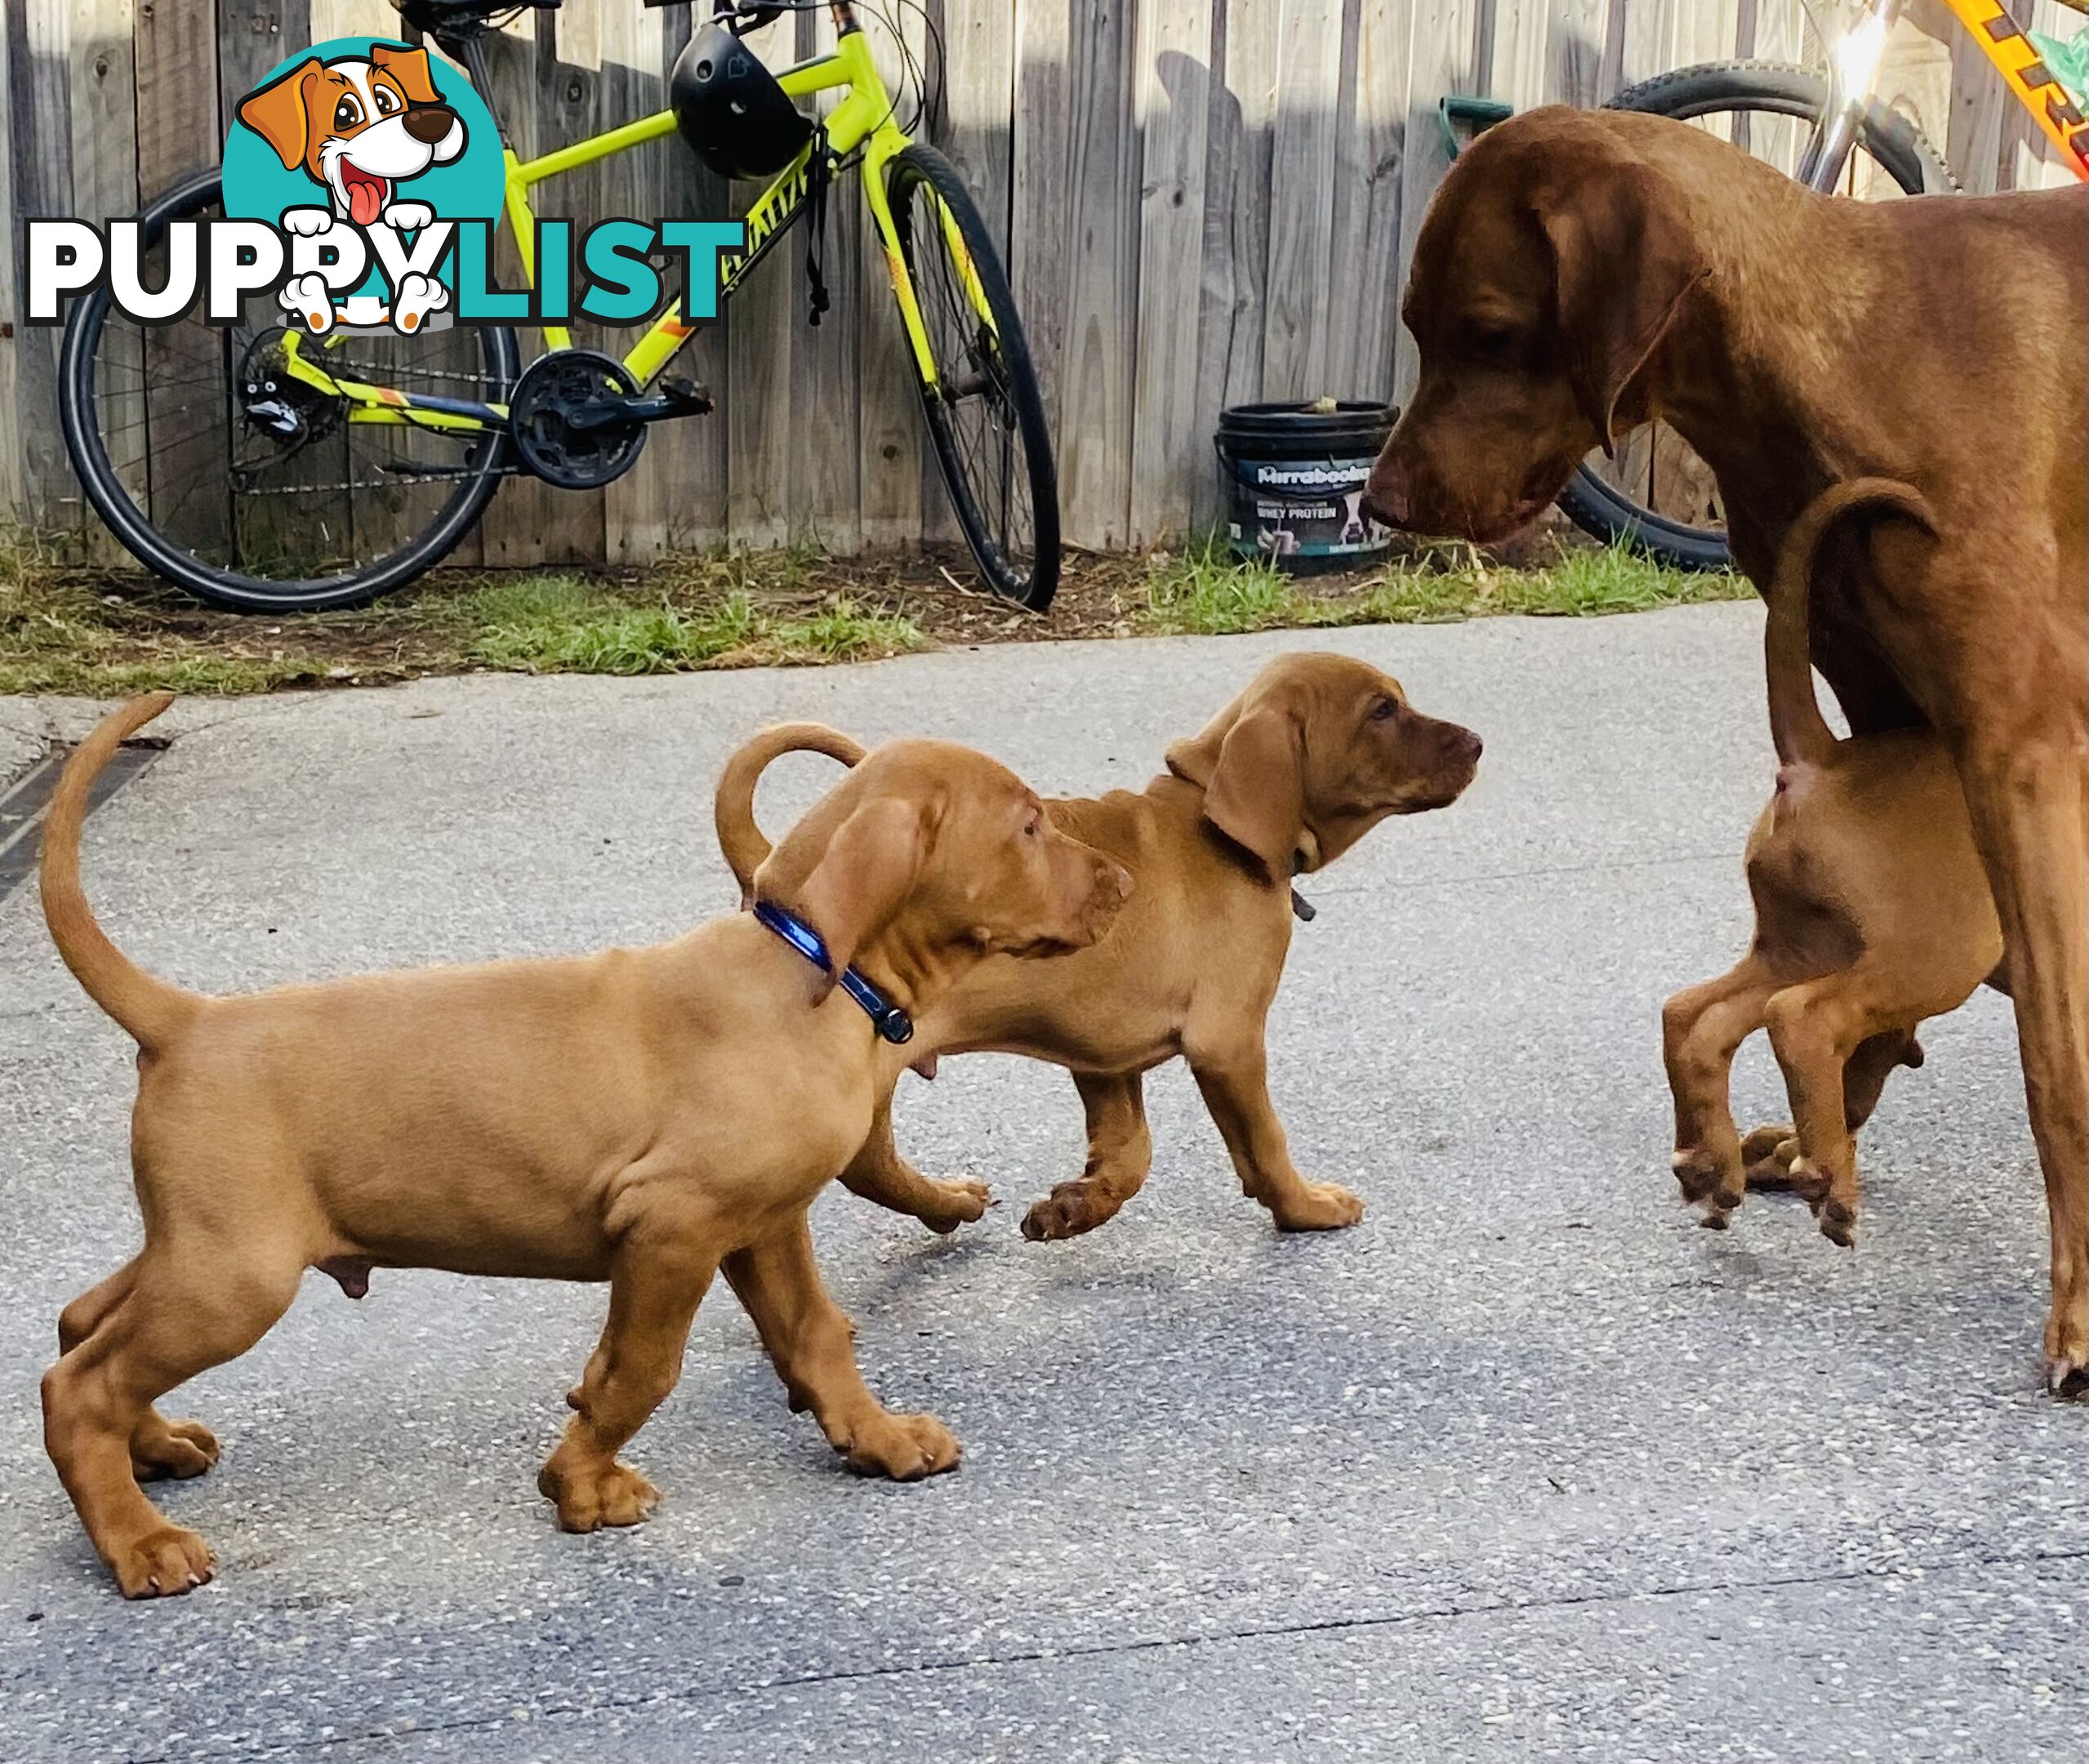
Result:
[
  {"x": 160, "y": 436},
  {"x": 982, "y": 415}
]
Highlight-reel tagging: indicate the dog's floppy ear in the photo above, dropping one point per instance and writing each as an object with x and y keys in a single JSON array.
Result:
[
  {"x": 276, "y": 113},
  {"x": 1251, "y": 762},
  {"x": 1622, "y": 260},
  {"x": 409, "y": 67},
  {"x": 855, "y": 886}
]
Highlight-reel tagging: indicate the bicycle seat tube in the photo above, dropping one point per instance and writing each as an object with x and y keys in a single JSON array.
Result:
[{"x": 1853, "y": 61}]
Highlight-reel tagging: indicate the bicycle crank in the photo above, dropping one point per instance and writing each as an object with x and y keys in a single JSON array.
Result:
[{"x": 578, "y": 420}]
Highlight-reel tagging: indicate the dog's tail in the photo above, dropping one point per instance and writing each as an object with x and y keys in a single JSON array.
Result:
[
  {"x": 149, "y": 1009},
  {"x": 1799, "y": 731},
  {"x": 742, "y": 842}
]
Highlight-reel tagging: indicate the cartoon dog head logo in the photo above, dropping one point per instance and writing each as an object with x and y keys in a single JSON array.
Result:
[{"x": 359, "y": 129}]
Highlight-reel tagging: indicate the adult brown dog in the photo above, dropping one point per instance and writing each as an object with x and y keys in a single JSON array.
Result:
[
  {"x": 1582, "y": 272},
  {"x": 1872, "y": 914},
  {"x": 642, "y": 1116},
  {"x": 1315, "y": 753}
]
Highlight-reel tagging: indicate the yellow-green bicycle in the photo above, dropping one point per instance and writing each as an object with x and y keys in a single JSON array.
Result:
[{"x": 264, "y": 469}]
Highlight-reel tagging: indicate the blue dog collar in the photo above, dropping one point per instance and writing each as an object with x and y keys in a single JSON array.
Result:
[{"x": 892, "y": 1023}]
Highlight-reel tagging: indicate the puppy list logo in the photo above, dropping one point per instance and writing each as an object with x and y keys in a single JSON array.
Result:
[
  {"x": 366, "y": 155},
  {"x": 362, "y": 182}
]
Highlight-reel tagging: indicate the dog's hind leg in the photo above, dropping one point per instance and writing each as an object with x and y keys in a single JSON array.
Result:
[
  {"x": 812, "y": 1346},
  {"x": 1236, "y": 1089},
  {"x": 192, "y": 1304},
  {"x": 158, "y": 1447},
  {"x": 1817, "y": 1028},
  {"x": 878, "y": 1174},
  {"x": 1702, "y": 1028},
  {"x": 1119, "y": 1155},
  {"x": 1771, "y": 1149},
  {"x": 655, "y": 1286}
]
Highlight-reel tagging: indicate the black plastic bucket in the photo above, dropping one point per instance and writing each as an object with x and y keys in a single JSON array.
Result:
[{"x": 1292, "y": 476}]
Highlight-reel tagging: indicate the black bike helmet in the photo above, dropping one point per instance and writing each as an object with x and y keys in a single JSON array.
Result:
[{"x": 742, "y": 123}]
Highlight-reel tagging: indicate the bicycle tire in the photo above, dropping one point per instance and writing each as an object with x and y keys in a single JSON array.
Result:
[
  {"x": 1775, "y": 88},
  {"x": 1030, "y": 582},
  {"x": 230, "y": 589}
]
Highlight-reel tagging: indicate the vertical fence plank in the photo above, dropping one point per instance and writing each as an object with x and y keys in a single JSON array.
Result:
[
  {"x": 1516, "y": 45},
  {"x": 14, "y": 495},
  {"x": 1170, "y": 435},
  {"x": 1301, "y": 199},
  {"x": 40, "y": 119},
  {"x": 1086, "y": 214},
  {"x": 1236, "y": 205},
  {"x": 1576, "y": 34},
  {"x": 1365, "y": 320},
  {"x": 1445, "y": 58},
  {"x": 825, "y": 363},
  {"x": 891, "y": 458}
]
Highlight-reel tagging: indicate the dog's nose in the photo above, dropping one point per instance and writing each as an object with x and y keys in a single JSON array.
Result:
[
  {"x": 429, "y": 123},
  {"x": 1474, "y": 746}
]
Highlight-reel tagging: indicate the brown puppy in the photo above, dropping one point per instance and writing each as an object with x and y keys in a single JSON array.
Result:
[
  {"x": 1582, "y": 272},
  {"x": 642, "y": 1116},
  {"x": 1872, "y": 913},
  {"x": 1310, "y": 757}
]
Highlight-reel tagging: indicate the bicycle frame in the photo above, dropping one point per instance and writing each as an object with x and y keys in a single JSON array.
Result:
[
  {"x": 861, "y": 122},
  {"x": 1853, "y": 69}
]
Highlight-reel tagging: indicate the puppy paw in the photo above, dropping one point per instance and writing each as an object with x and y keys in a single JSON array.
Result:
[
  {"x": 408, "y": 217},
  {"x": 1321, "y": 1207},
  {"x": 905, "y": 1447},
  {"x": 311, "y": 300},
  {"x": 307, "y": 223},
  {"x": 1071, "y": 1208},
  {"x": 1697, "y": 1172},
  {"x": 591, "y": 1496},
  {"x": 957, "y": 1202},
  {"x": 162, "y": 1564},
  {"x": 177, "y": 1449},
  {"x": 1768, "y": 1156}
]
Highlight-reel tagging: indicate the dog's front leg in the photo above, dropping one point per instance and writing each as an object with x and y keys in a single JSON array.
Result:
[
  {"x": 812, "y": 1346},
  {"x": 654, "y": 1290},
  {"x": 2030, "y": 806},
  {"x": 878, "y": 1174},
  {"x": 1120, "y": 1155},
  {"x": 1235, "y": 1088}
]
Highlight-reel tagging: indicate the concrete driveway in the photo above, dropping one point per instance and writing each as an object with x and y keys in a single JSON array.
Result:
[{"x": 1525, "y": 1466}]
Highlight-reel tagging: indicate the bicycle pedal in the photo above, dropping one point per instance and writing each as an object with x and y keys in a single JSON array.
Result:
[{"x": 691, "y": 397}]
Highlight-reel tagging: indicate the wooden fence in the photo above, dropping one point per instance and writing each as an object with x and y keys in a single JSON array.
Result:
[{"x": 1203, "y": 202}]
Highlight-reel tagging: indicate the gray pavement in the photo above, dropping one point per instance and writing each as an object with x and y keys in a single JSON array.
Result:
[{"x": 1525, "y": 1466}]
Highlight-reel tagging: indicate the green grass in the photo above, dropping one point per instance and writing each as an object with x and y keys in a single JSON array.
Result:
[
  {"x": 1205, "y": 590},
  {"x": 568, "y": 625}
]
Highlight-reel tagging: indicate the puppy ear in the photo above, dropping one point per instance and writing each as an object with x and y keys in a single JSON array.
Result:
[
  {"x": 276, "y": 113},
  {"x": 855, "y": 886},
  {"x": 1252, "y": 764},
  {"x": 1623, "y": 259},
  {"x": 409, "y": 67}
]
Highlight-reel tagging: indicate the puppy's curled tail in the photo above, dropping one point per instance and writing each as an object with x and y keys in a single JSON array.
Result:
[
  {"x": 734, "y": 810},
  {"x": 148, "y": 1009},
  {"x": 1796, "y": 726}
]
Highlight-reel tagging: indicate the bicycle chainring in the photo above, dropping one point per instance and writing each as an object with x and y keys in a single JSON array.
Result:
[{"x": 562, "y": 422}]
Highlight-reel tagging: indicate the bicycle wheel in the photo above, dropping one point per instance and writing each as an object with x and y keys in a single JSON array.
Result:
[
  {"x": 986, "y": 417},
  {"x": 174, "y": 456},
  {"x": 1657, "y": 498}
]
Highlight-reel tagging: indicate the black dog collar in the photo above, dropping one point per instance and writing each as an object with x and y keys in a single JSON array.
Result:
[{"x": 892, "y": 1023}]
